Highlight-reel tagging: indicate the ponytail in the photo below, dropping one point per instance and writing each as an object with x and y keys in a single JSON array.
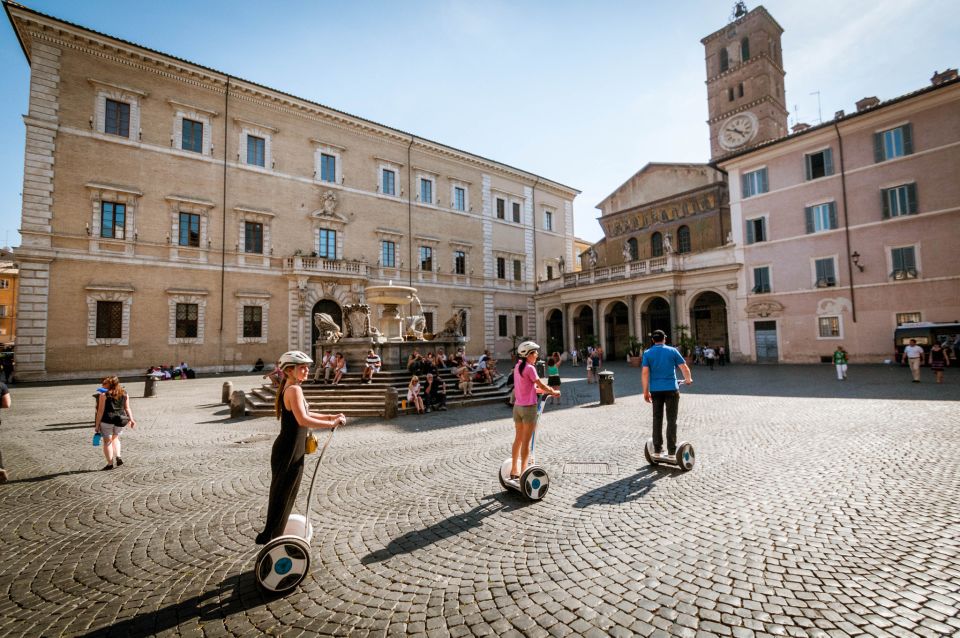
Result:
[
  {"x": 523, "y": 364},
  {"x": 279, "y": 402}
]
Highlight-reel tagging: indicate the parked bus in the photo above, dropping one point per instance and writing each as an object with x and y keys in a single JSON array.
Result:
[{"x": 926, "y": 333}]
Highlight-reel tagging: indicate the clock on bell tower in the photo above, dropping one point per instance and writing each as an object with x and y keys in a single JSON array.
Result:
[{"x": 745, "y": 96}]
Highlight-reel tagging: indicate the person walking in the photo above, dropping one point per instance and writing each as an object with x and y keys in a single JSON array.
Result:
[
  {"x": 286, "y": 456},
  {"x": 913, "y": 355},
  {"x": 721, "y": 356},
  {"x": 526, "y": 384},
  {"x": 938, "y": 359},
  {"x": 840, "y": 360},
  {"x": 553, "y": 377},
  {"x": 113, "y": 415},
  {"x": 5, "y": 402},
  {"x": 659, "y": 380},
  {"x": 710, "y": 355}
]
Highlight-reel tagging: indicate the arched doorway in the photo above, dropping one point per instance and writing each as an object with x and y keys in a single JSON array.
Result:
[
  {"x": 555, "y": 342},
  {"x": 583, "y": 330},
  {"x": 656, "y": 317},
  {"x": 616, "y": 324},
  {"x": 708, "y": 320},
  {"x": 329, "y": 307}
]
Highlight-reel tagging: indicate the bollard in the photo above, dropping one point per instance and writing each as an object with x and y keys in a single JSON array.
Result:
[
  {"x": 390, "y": 403},
  {"x": 238, "y": 404},
  {"x": 225, "y": 393},
  {"x": 150, "y": 387},
  {"x": 606, "y": 387}
]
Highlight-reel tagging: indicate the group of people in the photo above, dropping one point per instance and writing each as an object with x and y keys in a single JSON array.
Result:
[
  {"x": 429, "y": 395},
  {"x": 483, "y": 370},
  {"x": 165, "y": 373},
  {"x": 707, "y": 355},
  {"x": 937, "y": 358}
]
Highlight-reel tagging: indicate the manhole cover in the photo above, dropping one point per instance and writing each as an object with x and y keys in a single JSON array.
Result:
[{"x": 586, "y": 468}]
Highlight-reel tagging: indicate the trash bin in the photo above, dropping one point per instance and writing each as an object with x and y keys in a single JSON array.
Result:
[
  {"x": 150, "y": 387},
  {"x": 606, "y": 387}
]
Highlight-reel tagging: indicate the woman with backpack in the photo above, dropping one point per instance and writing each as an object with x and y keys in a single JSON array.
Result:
[{"x": 113, "y": 415}]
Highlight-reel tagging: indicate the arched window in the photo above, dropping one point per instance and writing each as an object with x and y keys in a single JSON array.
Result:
[
  {"x": 683, "y": 239},
  {"x": 724, "y": 60},
  {"x": 744, "y": 49},
  {"x": 656, "y": 245},
  {"x": 632, "y": 245}
]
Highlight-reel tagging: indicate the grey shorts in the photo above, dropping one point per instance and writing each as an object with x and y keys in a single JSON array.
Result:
[
  {"x": 524, "y": 414},
  {"x": 109, "y": 429}
]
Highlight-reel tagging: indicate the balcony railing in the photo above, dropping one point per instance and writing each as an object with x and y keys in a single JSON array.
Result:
[
  {"x": 620, "y": 271},
  {"x": 318, "y": 265}
]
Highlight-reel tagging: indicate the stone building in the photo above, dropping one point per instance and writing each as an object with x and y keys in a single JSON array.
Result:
[
  {"x": 9, "y": 288},
  {"x": 173, "y": 212}
]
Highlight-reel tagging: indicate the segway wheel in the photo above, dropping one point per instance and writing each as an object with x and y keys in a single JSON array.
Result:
[
  {"x": 282, "y": 564},
  {"x": 647, "y": 455},
  {"x": 504, "y": 473},
  {"x": 686, "y": 457},
  {"x": 534, "y": 483}
]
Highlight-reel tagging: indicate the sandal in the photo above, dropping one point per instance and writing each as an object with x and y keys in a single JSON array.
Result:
[{"x": 514, "y": 477}]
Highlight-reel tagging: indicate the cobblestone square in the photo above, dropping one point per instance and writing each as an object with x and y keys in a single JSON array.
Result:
[{"x": 817, "y": 508}]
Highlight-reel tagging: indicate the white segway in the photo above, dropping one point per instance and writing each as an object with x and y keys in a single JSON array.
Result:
[
  {"x": 285, "y": 561},
  {"x": 684, "y": 458},
  {"x": 534, "y": 480}
]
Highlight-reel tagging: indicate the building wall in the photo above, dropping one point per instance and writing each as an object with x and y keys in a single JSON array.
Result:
[{"x": 9, "y": 284}]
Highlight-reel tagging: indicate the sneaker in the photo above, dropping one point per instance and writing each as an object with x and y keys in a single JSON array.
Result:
[
  {"x": 107, "y": 467},
  {"x": 671, "y": 452},
  {"x": 119, "y": 461},
  {"x": 3, "y": 475}
]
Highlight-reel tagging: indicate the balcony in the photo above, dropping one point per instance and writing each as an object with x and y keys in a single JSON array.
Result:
[
  {"x": 300, "y": 265},
  {"x": 674, "y": 262}
]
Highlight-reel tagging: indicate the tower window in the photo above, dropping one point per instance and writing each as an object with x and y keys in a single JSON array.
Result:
[
  {"x": 740, "y": 90},
  {"x": 724, "y": 60},
  {"x": 730, "y": 93},
  {"x": 744, "y": 49}
]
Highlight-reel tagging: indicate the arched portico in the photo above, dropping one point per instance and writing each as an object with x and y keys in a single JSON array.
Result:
[
  {"x": 583, "y": 328},
  {"x": 708, "y": 320},
  {"x": 616, "y": 320},
  {"x": 655, "y": 315},
  {"x": 554, "y": 331}
]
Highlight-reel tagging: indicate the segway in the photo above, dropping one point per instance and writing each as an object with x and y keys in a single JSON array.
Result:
[
  {"x": 684, "y": 458},
  {"x": 285, "y": 561},
  {"x": 534, "y": 480}
]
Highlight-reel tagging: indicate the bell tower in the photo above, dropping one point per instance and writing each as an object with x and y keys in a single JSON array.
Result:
[{"x": 745, "y": 95}]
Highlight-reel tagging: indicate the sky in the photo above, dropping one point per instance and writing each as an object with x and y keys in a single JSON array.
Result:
[{"x": 583, "y": 93}]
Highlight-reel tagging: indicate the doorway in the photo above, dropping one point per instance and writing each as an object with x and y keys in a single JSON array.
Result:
[{"x": 765, "y": 335}]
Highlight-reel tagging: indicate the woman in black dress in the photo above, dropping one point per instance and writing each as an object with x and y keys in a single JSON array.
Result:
[{"x": 286, "y": 459}]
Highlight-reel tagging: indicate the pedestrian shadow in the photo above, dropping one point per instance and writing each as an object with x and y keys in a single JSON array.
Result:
[
  {"x": 64, "y": 428},
  {"x": 47, "y": 477},
  {"x": 449, "y": 527},
  {"x": 88, "y": 423},
  {"x": 235, "y": 594},
  {"x": 626, "y": 489}
]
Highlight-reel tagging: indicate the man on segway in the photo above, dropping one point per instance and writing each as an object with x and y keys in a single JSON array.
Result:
[{"x": 659, "y": 379}]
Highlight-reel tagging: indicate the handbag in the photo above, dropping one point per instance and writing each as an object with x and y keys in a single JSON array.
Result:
[
  {"x": 120, "y": 420},
  {"x": 311, "y": 444}
]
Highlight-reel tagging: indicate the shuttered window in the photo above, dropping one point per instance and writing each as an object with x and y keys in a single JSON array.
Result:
[
  {"x": 900, "y": 200},
  {"x": 821, "y": 217}
]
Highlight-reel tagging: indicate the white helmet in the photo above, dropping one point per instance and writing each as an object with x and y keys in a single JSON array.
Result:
[
  {"x": 526, "y": 348},
  {"x": 294, "y": 358}
]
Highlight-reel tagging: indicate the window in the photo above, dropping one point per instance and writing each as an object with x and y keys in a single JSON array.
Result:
[
  {"x": 755, "y": 183},
  {"x": 328, "y": 168},
  {"x": 501, "y": 208},
  {"x": 389, "y": 185},
  {"x": 656, "y": 245},
  {"x": 192, "y": 136},
  {"x": 518, "y": 325},
  {"x": 683, "y": 239},
  {"x": 724, "y": 60},
  {"x": 256, "y": 151},
  {"x": 825, "y": 274},
  {"x": 426, "y": 258},
  {"x": 819, "y": 164},
  {"x": 3, "y": 312},
  {"x": 187, "y": 314},
  {"x": 426, "y": 191},
  {"x": 730, "y": 94},
  {"x": 908, "y": 317},
  {"x": 109, "y": 320},
  {"x": 744, "y": 49},
  {"x": 821, "y": 217},
  {"x": 740, "y": 90},
  {"x": 459, "y": 198},
  {"x": 4, "y": 284},
  {"x": 253, "y": 237},
  {"x": 549, "y": 272},
  {"x": 328, "y": 244},
  {"x": 501, "y": 325},
  {"x": 761, "y": 279},
  {"x": 388, "y": 254},
  {"x": 756, "y": 230},
  {"x": 829, "y": 327},
  {"x": 252, "y": 322},
  {"x": 112, "y": 220},
  {"x": 900, "y": 200},
  {"x": 548, "y": 220},
  {"x": 501, "y": 268},
  {"x": 517, "y": 270},
  {"x": 189, "y": 230},
  {"x": 516, "y": 212},
  {"x": 459, "y": 262},
  {"x": 895, "y": 142},
  {"x": 117, "y": 119},
  {"x": 904, "y": 262},
  {"x": 633, "y": 248}
]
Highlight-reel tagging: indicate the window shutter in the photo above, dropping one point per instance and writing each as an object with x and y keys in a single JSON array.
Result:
[
  {"x": 762, "y": 235},
  {"x": 808, "y": 168},
  {"x": 909, "y": 258},
  {"x": 821, "y": 271},
  {"x": 828, "y": 162},
  {"x": 885, "y": 198},
  {"x": 907, "y": 139},
  {"x": 750, "y": 236},
  {"x": 878, "y": 147},
  {"x": 912, "y": 199},
  {"x": 744, "y": 181},
  {"x": 896, "y": 256},
  {"x": 829, "y": 270},
  {"x": 808, "y": 212},
  {"x": 833, "y": 215},
  {"x": 764, "y": 187}
]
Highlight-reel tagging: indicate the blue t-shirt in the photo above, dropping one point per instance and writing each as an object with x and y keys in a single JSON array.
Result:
[{"x": 662, "y": 361}]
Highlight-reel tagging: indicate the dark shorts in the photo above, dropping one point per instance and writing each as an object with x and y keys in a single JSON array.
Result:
[{"x": 553, "y": 381}]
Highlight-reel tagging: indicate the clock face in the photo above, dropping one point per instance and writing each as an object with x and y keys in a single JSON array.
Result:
[{"x": 738, "y": 130}]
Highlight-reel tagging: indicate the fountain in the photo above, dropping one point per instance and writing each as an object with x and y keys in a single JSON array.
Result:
[{"x": 390, "y": 297}]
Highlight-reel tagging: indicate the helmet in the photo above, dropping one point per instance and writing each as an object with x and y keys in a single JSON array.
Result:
[
  {"x": 294, "y": 358},
  {"x": 526, "y": 348}
]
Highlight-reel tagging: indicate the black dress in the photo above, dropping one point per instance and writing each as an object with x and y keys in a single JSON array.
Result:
[{"x": 286, "y": 463}]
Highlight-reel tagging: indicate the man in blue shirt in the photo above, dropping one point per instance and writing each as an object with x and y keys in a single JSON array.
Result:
[{"x": 660, "y": 388}]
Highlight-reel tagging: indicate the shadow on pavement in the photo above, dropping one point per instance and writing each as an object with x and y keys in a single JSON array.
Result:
[
  {"x": 451, "y": 526},
  {"x": 626, "y": 489},
  {"x": 47, "y": 477}
]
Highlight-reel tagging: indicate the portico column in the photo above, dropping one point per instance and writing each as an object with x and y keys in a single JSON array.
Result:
[
  {"x": 568, "y": 328},
  {"x": 631, "y": 315},
  {"x": 601, "y": 329},
  {"x": 673, "y": 312}
]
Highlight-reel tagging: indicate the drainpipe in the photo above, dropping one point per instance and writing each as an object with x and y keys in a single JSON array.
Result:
[
  {"x": 533, "y": 204},
  {"x": 410, "y": 212},
  {"x": 223, "y": 228},
  {"x": 846, "y": 224}
]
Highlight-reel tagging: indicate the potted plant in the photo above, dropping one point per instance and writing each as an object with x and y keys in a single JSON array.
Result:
[
  {"x": 634, "y": 352},
  {"x": 684, "y": 342}
]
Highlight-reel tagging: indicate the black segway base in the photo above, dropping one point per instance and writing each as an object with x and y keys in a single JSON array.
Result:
[{"x": 282, "y": 564}]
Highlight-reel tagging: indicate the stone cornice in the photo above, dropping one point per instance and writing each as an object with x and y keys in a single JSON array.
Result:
[
  {"x": 742, "y": 65},
  {"x": 746, "y": 107},
  {"x": 102, "y": 186},
  {"x": 117, "y": 87},
  {"x": 192, "y": 107},
  {"x": 187, "y": 291},
  {"x": 190, "y": 200},
  {"x": 247, "y": 210},
  {"x": 110, "y": 288}
]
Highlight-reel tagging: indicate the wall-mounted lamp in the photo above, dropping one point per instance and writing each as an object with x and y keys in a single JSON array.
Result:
[
  {"x": 88, "y": 229},
  {"x": 136, "y": 236},
  {"x": 856, "y": 260},
  {"x": 168, "y": 238}
]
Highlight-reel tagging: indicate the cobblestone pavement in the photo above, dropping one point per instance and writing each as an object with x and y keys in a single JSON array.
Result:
[{"x": 817, "y": 508}]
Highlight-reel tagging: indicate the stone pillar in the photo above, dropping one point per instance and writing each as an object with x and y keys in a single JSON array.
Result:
[
  {"x": 631, "y": 315},
  {"x": 601, "y": 328},
  {"x": 568, "y": 328},
  {"x": 238, "y": 404}
]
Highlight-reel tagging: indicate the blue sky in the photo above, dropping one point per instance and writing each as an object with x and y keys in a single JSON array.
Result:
[{"x": 582, "y": 93}]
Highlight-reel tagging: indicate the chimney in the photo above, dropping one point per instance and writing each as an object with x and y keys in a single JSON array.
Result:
[
  {"x": 799, "y": 126},
  {"x": 946, "y": 76},
  {"x": 867, "y": 103},
  {"x": 839, "y": 114}
]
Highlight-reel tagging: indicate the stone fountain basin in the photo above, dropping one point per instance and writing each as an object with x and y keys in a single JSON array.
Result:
[{"x": 390, "y": 295}]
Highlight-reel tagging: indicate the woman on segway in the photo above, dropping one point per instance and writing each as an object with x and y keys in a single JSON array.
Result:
[
  {"x": 526, "y": 385},
  {"x": 286, "y": 459}
]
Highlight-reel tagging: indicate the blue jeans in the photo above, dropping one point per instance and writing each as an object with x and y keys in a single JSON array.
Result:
[{"x": 671, "y": 400}]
